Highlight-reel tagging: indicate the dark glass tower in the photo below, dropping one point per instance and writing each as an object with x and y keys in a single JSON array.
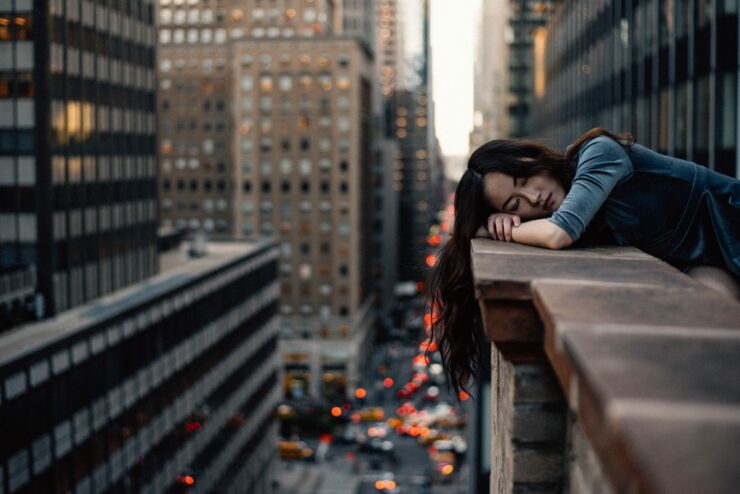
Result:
[
  {"x": 665, "y": 70},
  {"x": 77, "y": 146}
]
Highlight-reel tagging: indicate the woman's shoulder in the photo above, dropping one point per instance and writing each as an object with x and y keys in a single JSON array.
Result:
[
  {"x": 601, "y": 155},
  {"x": 602, "y": 144}
]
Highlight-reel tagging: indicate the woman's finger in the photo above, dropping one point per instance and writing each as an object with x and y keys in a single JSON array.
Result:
[
  {"x": 491, "y": 230},
  {"x": 499, "y": 228},
  {"x": 507, "y": 229},
  {"x": 517, "y": 220}
]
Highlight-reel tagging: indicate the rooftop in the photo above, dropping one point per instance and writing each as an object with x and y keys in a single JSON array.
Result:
[{"x": 177, "y": 269}]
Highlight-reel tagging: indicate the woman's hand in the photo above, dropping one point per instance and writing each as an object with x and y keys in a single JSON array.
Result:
[{"x": 500, "y": 225}]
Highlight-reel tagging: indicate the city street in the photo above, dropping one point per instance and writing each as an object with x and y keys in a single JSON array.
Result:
[{"x": 350, "y": 468}]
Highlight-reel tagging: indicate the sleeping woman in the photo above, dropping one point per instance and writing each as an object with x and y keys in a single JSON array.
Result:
[{"x": 605, "y": 189}]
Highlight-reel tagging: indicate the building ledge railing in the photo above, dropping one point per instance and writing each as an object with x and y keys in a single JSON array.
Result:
[{"x": 611, "y": 372}]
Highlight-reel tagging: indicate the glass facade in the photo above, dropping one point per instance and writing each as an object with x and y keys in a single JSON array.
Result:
[
  {"x": 77, "y": 146},
  {"x": 665, "y": 70},
  {"x": 176, "y": 380}
]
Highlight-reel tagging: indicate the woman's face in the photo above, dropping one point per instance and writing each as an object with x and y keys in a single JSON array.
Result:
[{"x": 530, "y": 198}]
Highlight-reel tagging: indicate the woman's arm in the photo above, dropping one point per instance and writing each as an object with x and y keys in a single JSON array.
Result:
[{"x": 540, "y": 233}]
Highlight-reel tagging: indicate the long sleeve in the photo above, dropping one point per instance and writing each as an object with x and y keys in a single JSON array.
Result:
[{"x": 602, "y": 164}]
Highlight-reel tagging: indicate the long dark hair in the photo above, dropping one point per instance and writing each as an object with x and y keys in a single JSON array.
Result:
[{"x": 456, "y": 321}]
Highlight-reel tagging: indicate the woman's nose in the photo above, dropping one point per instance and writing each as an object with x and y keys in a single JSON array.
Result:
[{"x": 532, "y": 196}]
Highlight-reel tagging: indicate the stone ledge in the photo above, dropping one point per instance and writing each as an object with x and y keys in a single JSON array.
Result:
[{"x": 645, "y": 357}]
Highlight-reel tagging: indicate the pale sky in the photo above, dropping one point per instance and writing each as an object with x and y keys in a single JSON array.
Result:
[{"x": 452, "y": 28}]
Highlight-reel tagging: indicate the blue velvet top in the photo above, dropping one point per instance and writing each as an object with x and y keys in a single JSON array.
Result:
[{"x": 673, "y": 209}]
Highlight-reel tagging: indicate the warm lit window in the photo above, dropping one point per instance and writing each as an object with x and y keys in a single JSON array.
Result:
[
  {"x": 266, "y": 82},
  {"x": 305, "y": 80},
  {"x": 343, "y": 82}
]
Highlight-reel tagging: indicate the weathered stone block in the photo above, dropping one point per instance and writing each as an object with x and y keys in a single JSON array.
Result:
[
  {"x": 536, "y": 465},
  {"x": 535, "y": 423},
  {"x": 536, "y": 383}
]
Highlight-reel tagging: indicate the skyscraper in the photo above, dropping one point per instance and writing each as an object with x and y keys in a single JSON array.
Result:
[
  {"x": 266, "y": 118},
  {"x": 167, "y": 384},
  {"x": 665, "y": 71},
  {"x": 526, "y": 23},
  {"x": 77, "y": 147},
  {"x": 419, "y": 173}
]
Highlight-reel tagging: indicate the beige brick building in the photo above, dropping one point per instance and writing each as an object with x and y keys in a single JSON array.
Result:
[{"x": 265, "y": 114}]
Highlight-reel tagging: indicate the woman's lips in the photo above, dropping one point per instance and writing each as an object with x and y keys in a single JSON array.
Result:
[{"x": 548, "y": 201}]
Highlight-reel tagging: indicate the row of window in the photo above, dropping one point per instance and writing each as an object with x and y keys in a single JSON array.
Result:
[
  {"x": 305, "y": 166},
  {"x": 246, "y": 60},
  {"x": 191, "y": 163},
  {"x": 286, "y": 207},
  {"x": 16, "y": 27},
  {"x": 219, "y": 36},
  {"x": 324, "y": 144},
  {"x": 246, "y": 104},
  {"x": 73, "y": 223},
  {"x": 105, "y": 19},
  {"x": 285, "y": 187},
  {"x": 73, "y": 62},
  {"x": 306, "y": 104},
  {"x": 80, "y": 283},
  {"x": 79, "y": 120},
  {"x": 17, "y": 6},
  {"x": 194, "y": 224},
  {"x": 40, "y": 371},
  {"x": 306, "y": 272},
  {"x": 167, "y": 127},
  {"x": 209, "y": 205},
  {"x": 324, "y": 227},
  {"x": 101, "y": 168},
  {"x": 285, "y": 81},
  {"x": 324, "y": 310}
]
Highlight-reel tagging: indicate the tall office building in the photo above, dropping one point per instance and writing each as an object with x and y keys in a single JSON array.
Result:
[
  {"x": 389, "y": 45},
  {"x": 358, "y": 18},
  {"x": 78, "y": 189},
  {"x": 167, "y": 385},
  {"x": 491, "y": 73},
  {"x": 266, "y": 118},
  {"x": 666, "y": 71},
  {"x": 419, "y": 170}
]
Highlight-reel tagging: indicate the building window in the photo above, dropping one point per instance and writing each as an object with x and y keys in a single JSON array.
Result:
[
  {"x": 285, "y": 82},
  {"x": 266, "y": 83},
  {"x": 286, "y": 166}
]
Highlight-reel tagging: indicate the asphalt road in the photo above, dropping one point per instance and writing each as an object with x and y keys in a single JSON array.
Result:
[{"x": 346, "y": 470}]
